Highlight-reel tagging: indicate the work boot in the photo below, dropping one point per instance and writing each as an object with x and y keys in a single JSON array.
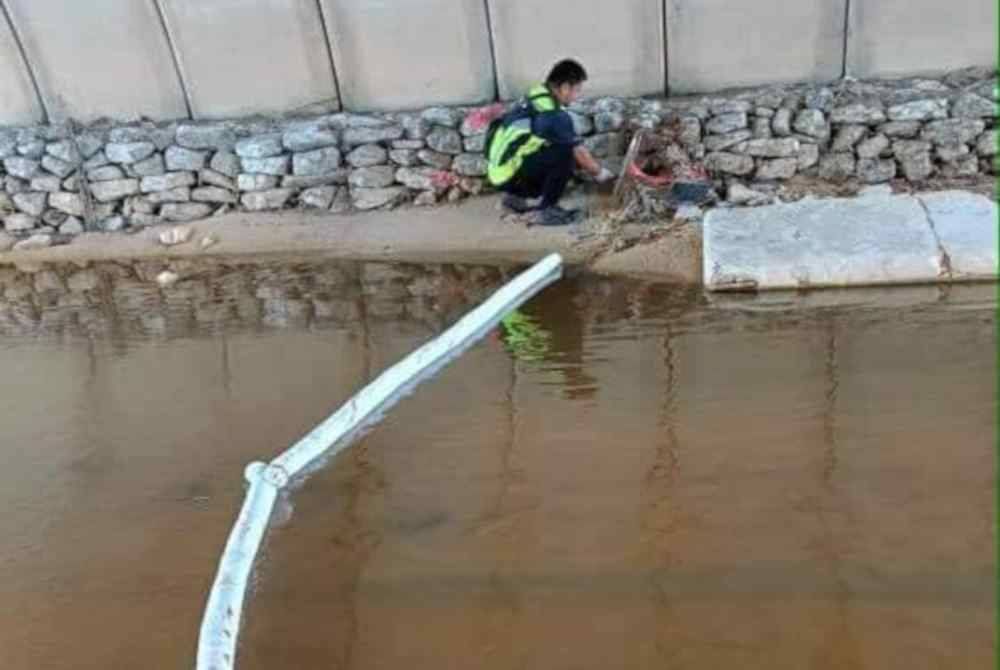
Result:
[
  {"x": 516, "y": 204},
  {"x": 551, "y": 216},
  {"x": 572, "y": 215}
]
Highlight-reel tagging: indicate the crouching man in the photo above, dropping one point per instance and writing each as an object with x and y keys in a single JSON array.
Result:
[{"x": 533, "y": 149}]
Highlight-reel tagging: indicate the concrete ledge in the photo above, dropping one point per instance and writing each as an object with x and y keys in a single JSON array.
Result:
[
  {"x": 878, "y": 239},
  {"x": 966, "y": 229}
]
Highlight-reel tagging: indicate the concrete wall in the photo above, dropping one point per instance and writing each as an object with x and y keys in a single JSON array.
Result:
[
  {"x": 216, "y": 58},
  {"x": 905, "y": 37},
  {"x": 239, "y": 57},
  {"x": 713, "y": 44},
  {"x": 408, "y": 53},
  {"x": 620, "y": 43},
  {"x": 99, "y": 58}
]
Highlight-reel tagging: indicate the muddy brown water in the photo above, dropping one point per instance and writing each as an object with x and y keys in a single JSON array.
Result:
[{"x": 650, "y": 479}]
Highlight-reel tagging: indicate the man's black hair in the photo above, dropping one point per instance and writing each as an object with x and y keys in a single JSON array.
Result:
[{"x": 566, "y": 72}]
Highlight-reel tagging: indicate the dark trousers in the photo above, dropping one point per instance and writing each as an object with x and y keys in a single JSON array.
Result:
[{"x": 543, "y": 174}]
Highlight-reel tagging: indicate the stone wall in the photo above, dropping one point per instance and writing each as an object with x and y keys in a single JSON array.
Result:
[{"x": 63, "y": 179}]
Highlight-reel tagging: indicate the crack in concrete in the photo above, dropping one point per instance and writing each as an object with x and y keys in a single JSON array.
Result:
[{"x": 944, "y": 258}]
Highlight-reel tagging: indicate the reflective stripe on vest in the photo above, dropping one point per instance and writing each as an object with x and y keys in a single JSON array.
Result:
[{"x": 515, "y": 141}]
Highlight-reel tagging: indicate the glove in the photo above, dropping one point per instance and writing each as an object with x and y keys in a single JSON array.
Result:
[{"x": 604, "y": 176}]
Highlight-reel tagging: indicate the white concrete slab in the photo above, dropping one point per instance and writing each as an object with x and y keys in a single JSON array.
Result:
[
  {"x": 620, "y": 43},
  {"x": 19, "y": 105},
  {"x": 717, "y": 44},
  {"x": 966, "y": 227},
  {"x": 894, "y": 38},
  {"x": 403, "y": 54},
  {"x": 99, "y": 58},
  {"x": 241, "y": 57},
  {"x": 813, "y": 243}
]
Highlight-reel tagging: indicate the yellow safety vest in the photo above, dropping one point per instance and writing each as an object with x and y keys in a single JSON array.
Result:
[{"x": 515, "y": 140}]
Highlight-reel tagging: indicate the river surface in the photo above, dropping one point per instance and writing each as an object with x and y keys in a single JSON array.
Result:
[{"x": 636, "y": 477}]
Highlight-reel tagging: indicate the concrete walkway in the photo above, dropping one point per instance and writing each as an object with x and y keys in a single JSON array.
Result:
[{"x": 873, "y": 239}]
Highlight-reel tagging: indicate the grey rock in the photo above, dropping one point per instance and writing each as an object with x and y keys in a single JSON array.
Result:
[
  {"x": 876, "y": 171},
  {"x": 261, "y": 146},
  {"x": 8, "y": 144},
  {"x": 952, "y": 153},
  {"x": 972, "y": 106},
  {"x": 213, "y": 194},
  {"x": 256, "y": 182},
  {"x": 106, "y": 173},
  {"x": 40, "y": 241},
  {"x": 70, "y": 203},
  {"x": 31, "y": 203},
  {"x": 373, "y": 177},
  {"x": 762, "y": 127},
  {"x": 739, "y": 194},
  {"x": 367, "y": 155},
  {"x": 404, "y": 157},
  {"x": 723, "y": 142},
  {"x": 415, "y": 145},
  {"x": 813, "y": 123},
  {"x": 163, "y": 137},
  {"x": 64, "y": 150},
  {"x": 128, "y": 153},
  {"x": 317, "y": 162},
  {"x": 470, "y": 165},
  {"x": 185, "y": 211},
  {"x": 206, "y": 136},
  {"x": 963, "y": 167},
  {"x": 342, "y": 202},
  {"x": 108, "y": 191},
  {"x": 387, "y": 133},
  {"x": 425, "y": 199},
  {"x": 906, "y": 129},
  {"x": 953, "y": 131},
  {"x": 72, "y": 183},
  {"x": 727, "y": 123},
  {"x": 180, "y": 194},
  {"x": 16, "y": 223},
  {"x": 415, "y": 127},
  {"x": 773, "y": 148},
  {"x": 847, "y": 137},
  {"x": 151, "y": 167},
  {"x": 96, "y": 161},
  {"x": 873, "y": 147},
  {"x": 168, "y": 182},
  {"x": 821, "y": 99},
  {"x": 308, "y": 136},
  {"x": 83, "y": 280},
  {"x": 862, "y": 113},
  {"x": 374, "y": 198},
  {"x": 88, "y": 144},
  {"x": 986, "y": 145},
  {"x": 837, "y": 166},
  {"x": 418, "y": 179},
  {"x": 210, "y": 177},
  {"x": 920, "y": 110},
  {"x": 335, "y": 177},
  {"x": 15, "y": 185},
  {"x": 728, "y": 163},
  {"x": 276, "y": 165},
  {"x": 781, "y": 122},
  {"x": 779, "y": 168},
  {"x": 112, "y": 224},
  {"x": 582, "y": 124},
  {"x": 58, "y": 167},
  {"x": 765, "y": 112},
  {"x": 728, "y": 106},
  {"x": 223, "y": 162},
  {"x": 179, "y": 158},
  {"x": 607, "y": 122},
  {"x": 275, "y": 198},
  {"x": 442, "y": 116},
  {"x": 128, "y": 134},
  {"x": 319, "y": 197},
  {"x": 54, "y": 218},
  {"x": 689, "y": 132},
  {"x": 71, "y": 226},
  {"x": 445, "y": 141},
  {"x": 34, "y": 148},
  {"x": 24, "y": 168},
  {"x": 47, "y": 184},
  {"x": 434, "y": 159},
  {"x": 915, "y": 159}
]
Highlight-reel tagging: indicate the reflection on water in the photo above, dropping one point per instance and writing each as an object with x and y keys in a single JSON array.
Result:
[{"x": 657, "y": 481}]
